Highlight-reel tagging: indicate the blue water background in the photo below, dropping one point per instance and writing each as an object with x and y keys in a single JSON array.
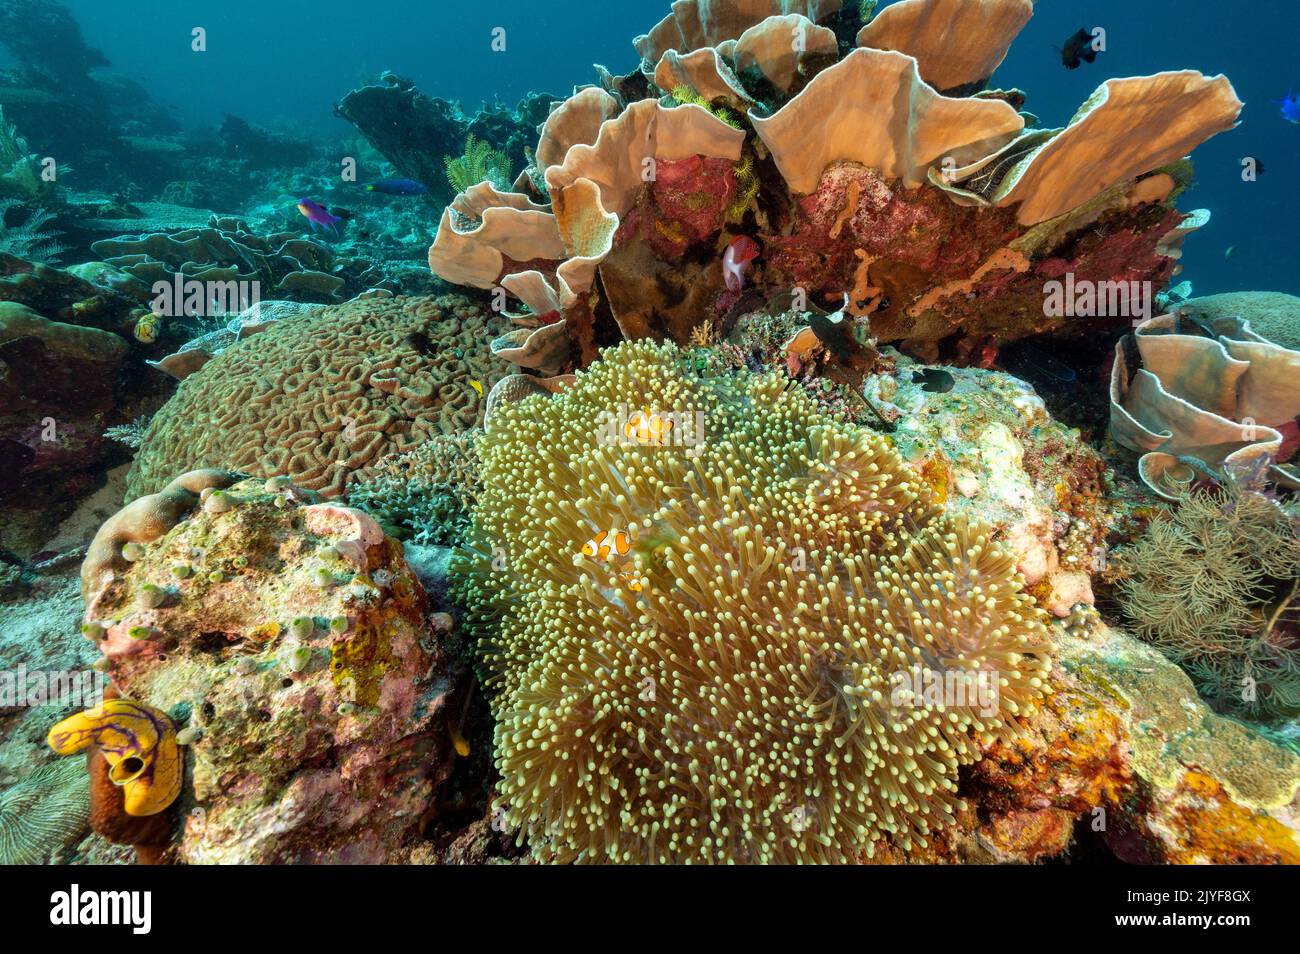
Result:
[{"x": 278, "y": 61}]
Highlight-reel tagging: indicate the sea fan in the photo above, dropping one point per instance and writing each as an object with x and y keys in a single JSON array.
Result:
[
  {"x": 480, "y": 162},
  {"x": 23, "y": 232}
]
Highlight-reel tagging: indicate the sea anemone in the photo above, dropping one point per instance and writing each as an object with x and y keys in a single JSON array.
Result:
[{"x": 735, "y": 687}]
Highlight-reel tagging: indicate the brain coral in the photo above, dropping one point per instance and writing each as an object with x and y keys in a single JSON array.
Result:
[
  {"x": 728, "y": 689},
  {"x": 321, "y": 397}
]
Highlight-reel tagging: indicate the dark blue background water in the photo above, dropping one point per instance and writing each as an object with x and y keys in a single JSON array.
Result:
[{"x": 271, "y": 60}]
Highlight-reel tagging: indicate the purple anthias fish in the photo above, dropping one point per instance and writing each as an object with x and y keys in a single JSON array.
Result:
[
  {"x": 318, "y": 215},
  {"x": 1290, "y": 108},
  {"x": 397, "y": 187}
]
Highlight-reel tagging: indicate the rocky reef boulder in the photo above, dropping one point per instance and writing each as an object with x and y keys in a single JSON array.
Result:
[
  {"x": 289, "y": 642},
  {"x": 70, "y": 367},
  {"x": 985, "y": 443},
  {"x": 58, "y": 389},
  {"x": 417, "y": 132},
  {"x": 1126, "y": 759}
]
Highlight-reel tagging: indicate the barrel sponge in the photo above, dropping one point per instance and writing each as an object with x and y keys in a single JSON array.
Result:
[
  {"x": 724, "y": 692},
  {"x": 321, "y": 397}
]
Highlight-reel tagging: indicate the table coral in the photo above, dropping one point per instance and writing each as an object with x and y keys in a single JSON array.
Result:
[
  {"x": 284, "y": 264},
  {"x": 321, "y": 397},
  {"x": 1205, "y": 397}
]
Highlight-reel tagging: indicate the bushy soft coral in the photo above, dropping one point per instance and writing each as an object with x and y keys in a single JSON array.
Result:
[{"x": 1215, "y": 584}]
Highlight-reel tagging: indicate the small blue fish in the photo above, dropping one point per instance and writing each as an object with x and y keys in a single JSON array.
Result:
[
  {"x": 397, "y": 187},
  {"x": 1290, "y": 107}
]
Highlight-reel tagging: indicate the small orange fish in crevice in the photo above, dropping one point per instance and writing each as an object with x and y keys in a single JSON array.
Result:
[{"x": 457, "y": 729}]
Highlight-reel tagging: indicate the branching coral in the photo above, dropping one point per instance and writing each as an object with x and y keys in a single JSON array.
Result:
[
  {"x": 131, "y": 434},
  {"x": 479, "y": 163},
  {"x": 426, "y": 494},
  {"x": 1216, "y": 586},
  {"x": 700, "y": 635}
]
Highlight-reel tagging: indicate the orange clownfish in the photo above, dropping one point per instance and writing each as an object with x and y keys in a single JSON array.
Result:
[
  {"x": 608, "y": 543},
  {"x": 612, "y": 544},
  {"x": 647, "y": 428}
]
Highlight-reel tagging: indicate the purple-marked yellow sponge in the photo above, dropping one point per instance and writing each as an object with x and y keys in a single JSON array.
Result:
[{"x": 139, "y": 744}]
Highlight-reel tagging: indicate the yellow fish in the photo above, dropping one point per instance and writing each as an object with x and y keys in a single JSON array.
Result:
[
  {"x": 477, "y": 386},
  {"x": 647, "y": 428},
  {"x": 458, "y": 741},
  {"x": 608, "y": 543},
  {"x": 147, "y": 328},
  {"x": 139, "y": 744},
  {"x": 456, "y": 729}
]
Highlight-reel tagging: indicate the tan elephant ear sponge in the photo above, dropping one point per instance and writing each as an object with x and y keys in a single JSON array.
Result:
[{"x": 712, "y": 646}]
